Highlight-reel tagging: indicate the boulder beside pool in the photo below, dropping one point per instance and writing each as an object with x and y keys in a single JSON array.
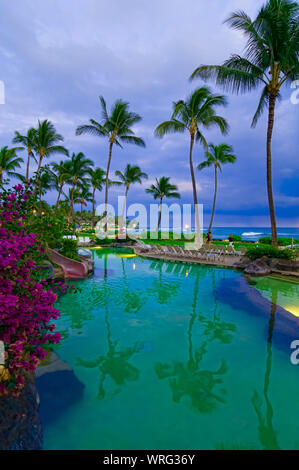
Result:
[
  {"x": 259, "y": 267},
  {"x": 58, "y": 388},
  {"x": 20, "y": 423}
]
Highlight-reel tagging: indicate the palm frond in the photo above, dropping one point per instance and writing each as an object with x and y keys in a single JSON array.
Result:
[
  {"x": 169, "y": 127},
  {"x": 93, "y": 129},
  {"x": 132, "y": 139},
  {"x": 104, "y": 109},
  {"x": 264, "y": 100},
  {"x": 201, "y": 138},
  {"x": 205, "y": 164}
]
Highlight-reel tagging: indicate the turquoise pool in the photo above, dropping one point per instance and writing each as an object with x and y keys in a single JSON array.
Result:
[{"x": 166, "y": 360}]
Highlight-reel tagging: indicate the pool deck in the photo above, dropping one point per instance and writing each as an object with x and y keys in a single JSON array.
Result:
[{"x": 229, "y": 261}]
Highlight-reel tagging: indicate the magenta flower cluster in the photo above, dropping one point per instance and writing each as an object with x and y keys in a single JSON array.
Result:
[
  {"x": 60, "y": 287},
  {"x": 26, "y": 306}
]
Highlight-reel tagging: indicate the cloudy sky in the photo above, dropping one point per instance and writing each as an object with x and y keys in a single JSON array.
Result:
[{"x": 58, "y": 56}]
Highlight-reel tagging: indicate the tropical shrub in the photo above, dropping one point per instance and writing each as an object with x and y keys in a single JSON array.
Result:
[
  {"x": 49, "y": 226},
  {"x": 163, "y": 235},
  {"x": 281, "y": 241},
  {"x": 271, "y": 252},
  {"x": 26, "y": 306},
  {"x": 59, "y": 287},
  {"x": 70, "y": 248},
  {"x": 237, "y": 238}
]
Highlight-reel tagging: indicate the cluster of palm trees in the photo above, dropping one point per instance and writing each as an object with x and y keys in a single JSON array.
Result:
[
  {"x": 78, "y": 172},
  {"x": 270, "y": 59}
]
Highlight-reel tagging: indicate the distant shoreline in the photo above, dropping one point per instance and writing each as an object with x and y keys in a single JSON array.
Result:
[{"x": 247, "y": 233}]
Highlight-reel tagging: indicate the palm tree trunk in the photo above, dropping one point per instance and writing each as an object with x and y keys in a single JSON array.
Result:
[
  {"x": 59, "y": 194},
  {"x": 27, "y": 167},
  {"x": 40, "y": 199},
  {"x": 125, "y": 202},
  {"x": 37, "y": 172},
  {"x": 93, "y": 208},
  {"x": 160, "y": 214},
  {"x": 214, "y": 202},
  {"x": 107, "y": 180},
  {"x": 197, "y": 238},
  {"x": 39, "y": 165},
  {"x": 272, "y": 100},
  {"x": 72, "y": 199}
]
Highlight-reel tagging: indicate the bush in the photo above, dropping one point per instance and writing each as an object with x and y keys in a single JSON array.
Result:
[
  {"x": 70, "y": 249},
  {"x": 281, "y": 241},
  {"x": 163, "y": 235},
  {"x": 87, "y": 230},
  {"x": 271, "y": 252},
  {"x": 26, "y": 307},
  {"x": 237, "y": 238}
]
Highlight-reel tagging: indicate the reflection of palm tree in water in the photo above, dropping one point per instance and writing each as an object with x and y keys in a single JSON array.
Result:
[
  {"x": 161, "y": 289},
  {"x": 133, "y": 300},
  {"x": 115, "y": 363},
  {"x": 266, "y": 431},
  {"x": 189, "y": 379},
  {"x": 216, "y": 329}
]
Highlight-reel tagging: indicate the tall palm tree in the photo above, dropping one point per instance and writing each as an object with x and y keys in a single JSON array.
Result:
[
  {"x": 97, "y": 179},
  {"x": 132, "y": 174},
  {"x": 216, "y": 156},
  {"x": 62, "y": 172},
  {"x": 163, "y": 188},
  {"x": 116, "y": 127},
  {"x": 198, "y": 111},
  {"x": 9, "y": 161},
  {"x": 79, "y": 172},
  {"x": 270, "y": 59},
  {"x": 46, "y": 142},
  {"x": 29, "y": 142}
]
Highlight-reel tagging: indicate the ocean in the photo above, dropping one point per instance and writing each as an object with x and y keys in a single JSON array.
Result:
[
  {"x": 250, "y": 233},
  {"x": 253, "y": 233}
]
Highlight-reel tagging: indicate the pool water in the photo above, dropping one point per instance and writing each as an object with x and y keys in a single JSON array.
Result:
[{"x": 166, "y": 365}]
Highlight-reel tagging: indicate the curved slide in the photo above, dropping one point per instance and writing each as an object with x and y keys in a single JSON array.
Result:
[{"x": 72, "y": 269}]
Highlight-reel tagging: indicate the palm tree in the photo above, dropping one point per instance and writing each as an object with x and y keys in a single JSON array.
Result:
[
  {"x": 85, "y": 196},
  {"x": 117, "y": 128},
  {"x": 62, "y": 172},
  {"x": 79, "y": 171},
  {"x": 46, "y": 142},
  {"x": 198, "y": 111},
  {"x": 72, "y": 197},
  {"x": 162, "y": 189},
  {"x": 270, "y": 60},
  {"x": 46, "y": 181},
  {"x": 132, "y": 174},
  {"x": 29, "y": 142},
  {"x": 216, "y": 156},
  {"x": 9, "y": 161},
  {"x": 97, "y": 179}
]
